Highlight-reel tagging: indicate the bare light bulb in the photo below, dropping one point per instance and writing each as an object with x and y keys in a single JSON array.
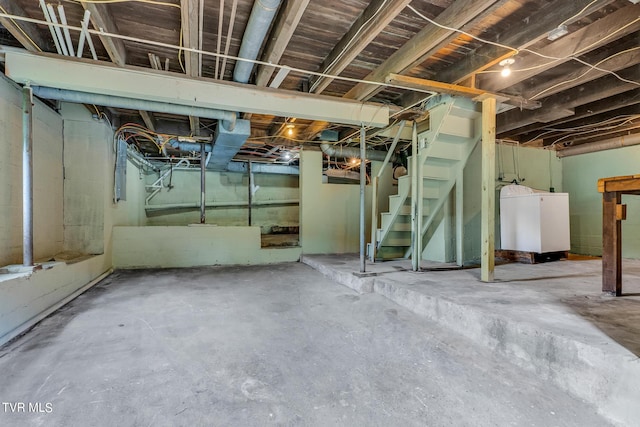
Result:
[
  {"x": 506, "y": 72},
  {"x": 290, "y": 131}
]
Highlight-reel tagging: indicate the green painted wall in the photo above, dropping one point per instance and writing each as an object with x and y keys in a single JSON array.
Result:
[
  {"x": 47, "y": 177},
  {"x": 539, "y": 168},
  {"x": 228, "y": 187},
  {"x": 196, "y": 245},
  {"x": 580, "y": 175}
]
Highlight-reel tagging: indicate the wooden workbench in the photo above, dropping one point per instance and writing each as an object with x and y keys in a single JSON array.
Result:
[{"x": 613, "y": 213}]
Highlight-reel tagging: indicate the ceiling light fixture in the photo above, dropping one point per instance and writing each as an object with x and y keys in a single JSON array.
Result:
[
  {"x": 558, "y": 32},
  {"x": 505, "y": 64},
  {"x": 290, "y": 129}
]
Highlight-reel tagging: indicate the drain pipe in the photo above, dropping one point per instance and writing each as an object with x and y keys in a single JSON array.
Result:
[
  {"x": 352, "y": 152},
  {"x": 228, "y": 118},
  {"x": 607, "y": 144},
  {"x": 27, "y": 176},
  {"x": 262, "y": 15}
]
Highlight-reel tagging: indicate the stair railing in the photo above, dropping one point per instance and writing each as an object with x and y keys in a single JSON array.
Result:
[{"x": 374, "y": 191}]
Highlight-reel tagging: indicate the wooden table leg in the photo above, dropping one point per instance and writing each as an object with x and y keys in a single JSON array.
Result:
[{"x": 611, "y": 245}]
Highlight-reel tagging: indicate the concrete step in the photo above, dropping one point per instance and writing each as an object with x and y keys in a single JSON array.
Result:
[{"x": 536, "y": 332}]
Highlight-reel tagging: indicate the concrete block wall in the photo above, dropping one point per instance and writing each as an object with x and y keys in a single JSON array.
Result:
[
  {"x": 190, "y": 246},
  {"x": 580, "y": 176},
  {"x": 47, "y": 186},
  {"x": 232, "y": 188},
  {"x": 89, "y": 159}
]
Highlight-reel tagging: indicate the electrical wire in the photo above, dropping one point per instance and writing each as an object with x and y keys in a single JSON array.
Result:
[
  {"x": 21, "y": 30},
  {"x": 589, "y": 70},
  {"x": 578, "y": 14},
  {"x": 348, "y": 45},
  {"x": 213, "y": 54},
  {"x": 516, "y": 51},
  {"x": 155, "y": 2}
]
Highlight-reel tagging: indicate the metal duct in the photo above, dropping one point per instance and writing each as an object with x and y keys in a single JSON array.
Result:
[
  {"x": 228, "y": 118},
  {"x": 263, "y": 168},
  {"x": 227, "y": 143},
  {"x": 607, "y": 144},
  {"x": 352, "y": 152},
  {"x": 260, "y": 20},
  {"x": 190, "y": 146}
]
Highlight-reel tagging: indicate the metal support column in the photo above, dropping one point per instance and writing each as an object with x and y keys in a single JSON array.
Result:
[
  {"x": 415, "y": 254},
  {"x": 250, "y": 195},
  {"x": 203, "y": 165},
  {"x": 27, "y": 176},
  {"x": 363, "y": 183}
]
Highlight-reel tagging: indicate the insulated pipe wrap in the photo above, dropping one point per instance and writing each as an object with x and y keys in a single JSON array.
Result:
[
  {"x": 352, "y": 152},
  {"x": 259, "y": 22},
  {"x": 228, "y": 118}
]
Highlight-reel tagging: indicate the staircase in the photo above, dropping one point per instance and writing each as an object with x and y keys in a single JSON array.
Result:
[{"x": 443, "y": 151}]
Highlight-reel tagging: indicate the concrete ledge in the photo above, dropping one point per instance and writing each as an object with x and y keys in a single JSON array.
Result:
[
  {"x": 175, "y": 247},
  {"x": 555, "y": 343},
  {"x": 362, "y": 285},
  {"x": 30, "y": 297}
]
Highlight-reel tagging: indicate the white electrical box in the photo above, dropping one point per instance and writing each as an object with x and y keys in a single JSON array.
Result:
[{"x": 534, "y": 221}]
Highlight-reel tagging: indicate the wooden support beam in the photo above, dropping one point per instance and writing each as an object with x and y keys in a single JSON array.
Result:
[
  {"x": 582, "y": 114},
  {"x": 586, "y": 74},
  {"x": 286, "y": 23},
  {"x": 26, "y": 33},
  {"x": 189, "y": 19},
  {"x": 101, "y": 19},
  {"x": 148, "y": 119},
  {"x": 536, "y": 28},
  {"x": 364, "y": 30},
  {"x": 189, "y": 13},
  {"x": 611, "y": 245},
  {"x": 488, "y": 189},
  {"x": 420, "y": 46},
  {"x": 451, "y": 89},
  {"x": 584, "y": 40},
  {"x": 601, "y": 88}
]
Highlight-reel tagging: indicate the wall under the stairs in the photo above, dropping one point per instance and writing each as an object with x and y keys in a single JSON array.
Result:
[{"x": 540, "y": 169}]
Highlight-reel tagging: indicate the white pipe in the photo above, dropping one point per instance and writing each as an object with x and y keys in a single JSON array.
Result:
[
  {"x": 67, "y": 35},
  {"x": 607, "y": 144},
  {"x": 51, "y": 27},
  {"x": 232, "y": 20},
  {"x": 90, "y": 43},
  {"x": 219, "y": 41},
  {"x": 52, "y": 15},
  {"x": 85, "y": 26}
]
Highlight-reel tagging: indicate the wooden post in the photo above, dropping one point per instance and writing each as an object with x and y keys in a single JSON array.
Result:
[
  {"x": 611, "y": 244},
  {"x": 488, "y": 188}
]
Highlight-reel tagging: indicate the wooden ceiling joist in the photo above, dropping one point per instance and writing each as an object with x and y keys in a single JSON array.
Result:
[
  {"x": 101, "y": 19},
  {"x": 25, "y": 32},
  {"x": 189, "y": 12},
  {"x": 584, "y": 40},
  {"x": 286, "y": 23},
  {"x": 522, "y": 36},
  {"x": 415, "y": 50},
  {"x": 369, "y": 24},
  {"x": 601, "y": 88}
]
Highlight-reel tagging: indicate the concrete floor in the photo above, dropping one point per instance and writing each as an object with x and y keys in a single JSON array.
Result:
[
  {"x": 269, "y": 345},
  {"x": 550, "y": 319}
]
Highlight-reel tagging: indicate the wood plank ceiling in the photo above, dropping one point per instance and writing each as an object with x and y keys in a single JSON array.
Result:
[{"x": 587, "y": 82}]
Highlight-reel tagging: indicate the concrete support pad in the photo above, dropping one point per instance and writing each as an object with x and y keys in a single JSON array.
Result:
[
  {"x": 547, "y": 318},
  {"x": 262, "y": 345}
]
